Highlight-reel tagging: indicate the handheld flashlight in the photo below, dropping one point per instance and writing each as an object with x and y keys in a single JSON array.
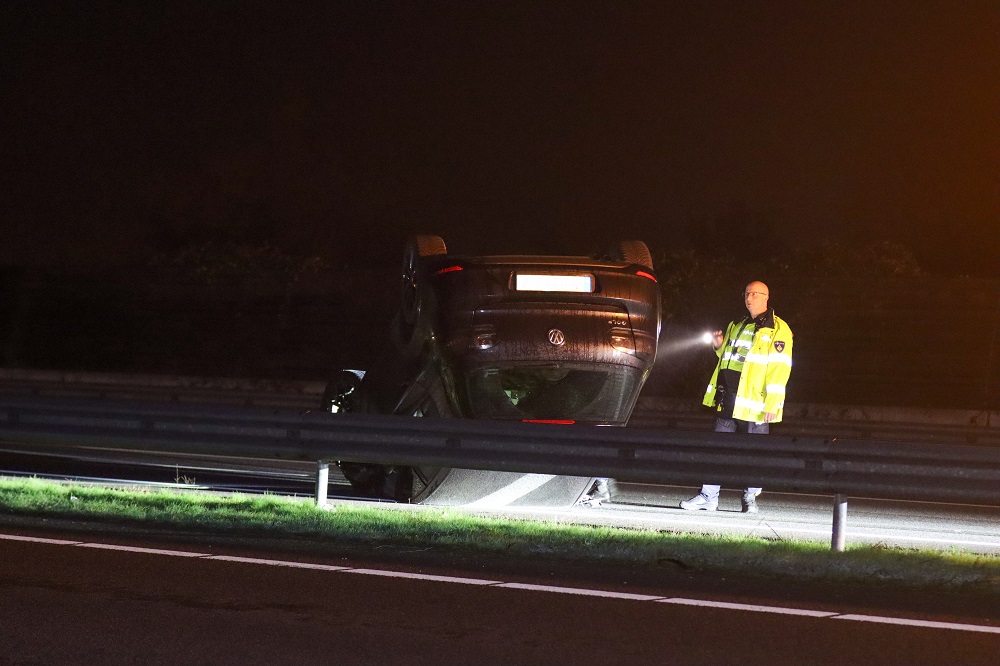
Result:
[{"x": 707, "y": 337}]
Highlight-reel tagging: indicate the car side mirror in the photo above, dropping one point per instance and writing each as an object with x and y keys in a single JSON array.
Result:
[{"x": 341, "y": 393}]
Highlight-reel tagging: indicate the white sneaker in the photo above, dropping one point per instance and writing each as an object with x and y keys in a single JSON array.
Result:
[{"x": 700, "y": 503}]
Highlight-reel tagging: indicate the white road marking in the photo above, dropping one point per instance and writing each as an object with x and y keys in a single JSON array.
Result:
[
  {"x": 705, "y": 603},
  {"x": 417, "y": 576},
  {"x": 137, "y": 549},
  {"x": 753, "y": 608},
  {"x": 277, "y": 563},
  {"x": 512, "y": 492},
  {"x": 582, "y": 591},
  {"x": 55, "y": 542},
  {"x": 930, "y": 624}
]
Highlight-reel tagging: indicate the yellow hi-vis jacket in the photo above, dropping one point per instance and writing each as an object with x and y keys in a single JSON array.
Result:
[{"x": 764, "y": 374}]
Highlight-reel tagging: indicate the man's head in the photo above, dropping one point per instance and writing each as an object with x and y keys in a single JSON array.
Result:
[{"x": 755, "y": 297}]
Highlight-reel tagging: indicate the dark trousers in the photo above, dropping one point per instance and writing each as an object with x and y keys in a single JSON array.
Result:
[{"x": 735, "y": 425}]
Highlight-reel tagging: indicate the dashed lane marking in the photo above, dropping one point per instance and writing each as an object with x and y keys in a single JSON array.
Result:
[
  {"x": 417, "y": 576},
  {"x": 582, "y": 591},
  {"x": 553, "y": 589},
  {"x": 930, "y": 624},
  {"x": 753, "y": 608},
  {"x": 137, "y": 549},
  {"x": 277, "y": 563}
]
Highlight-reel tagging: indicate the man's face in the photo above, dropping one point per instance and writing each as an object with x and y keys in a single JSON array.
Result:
[{"x": 755, "y": 298}]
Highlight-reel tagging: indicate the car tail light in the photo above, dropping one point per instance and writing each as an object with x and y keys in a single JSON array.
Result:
[
  {"x": 648, "y": 276},
  {"x": 449, "y": 269}
]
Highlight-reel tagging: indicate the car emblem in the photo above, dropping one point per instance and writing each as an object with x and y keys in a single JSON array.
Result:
[{"x": 557, "y": 337}]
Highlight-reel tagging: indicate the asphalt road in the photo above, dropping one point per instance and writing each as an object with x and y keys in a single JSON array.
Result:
[{"x": 100, "y": 599}]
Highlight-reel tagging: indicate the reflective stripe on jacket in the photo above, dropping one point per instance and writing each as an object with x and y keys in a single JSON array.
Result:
[{"x": 764, "y": 374}]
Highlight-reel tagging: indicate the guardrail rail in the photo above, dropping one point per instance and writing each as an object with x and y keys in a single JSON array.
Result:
[{"x": 832, "y": 466}]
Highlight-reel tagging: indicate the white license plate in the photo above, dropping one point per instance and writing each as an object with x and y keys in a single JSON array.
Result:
[{"x": 537, "y": 282}]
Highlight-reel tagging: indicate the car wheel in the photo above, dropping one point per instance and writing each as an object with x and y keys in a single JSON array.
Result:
[
  {"x": 404, "y": 337},
  {"x": 417, "y": 248}
]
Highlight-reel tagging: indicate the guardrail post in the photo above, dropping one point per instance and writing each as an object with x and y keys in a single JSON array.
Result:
[
  {"x": 322, "y": 481},
  {"x": 839, "y": 522}
]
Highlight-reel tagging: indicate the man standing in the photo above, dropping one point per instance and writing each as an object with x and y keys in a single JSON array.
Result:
[{"x": 748, "y": 385}]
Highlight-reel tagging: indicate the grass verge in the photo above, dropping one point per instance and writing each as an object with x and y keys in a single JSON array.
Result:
[{"x": 449, "y": 531}]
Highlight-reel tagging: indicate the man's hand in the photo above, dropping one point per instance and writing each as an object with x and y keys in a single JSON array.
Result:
[
  {"x": 717, "y": 339},
  {"x": 769, "y": 417}
]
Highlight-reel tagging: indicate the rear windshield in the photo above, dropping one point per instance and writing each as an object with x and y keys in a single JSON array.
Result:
[{"x": 583, "y": 392}]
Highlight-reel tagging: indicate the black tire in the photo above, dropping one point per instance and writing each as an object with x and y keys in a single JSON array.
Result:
[
  {"x": 417, "y": 248},
  {"x": 403, "y": 336},
  {"x": 633, "y": 252}
]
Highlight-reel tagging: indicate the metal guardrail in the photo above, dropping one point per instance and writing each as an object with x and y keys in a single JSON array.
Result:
[
  {"x": 824, "y": 427},
  {"x": 839, "y": 467},
  {"x": 960, "y": 426},
  {"x": 290, "y": 394}
]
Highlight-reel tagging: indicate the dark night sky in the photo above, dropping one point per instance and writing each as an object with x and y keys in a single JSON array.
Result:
[{"x": 339, "y": 127}]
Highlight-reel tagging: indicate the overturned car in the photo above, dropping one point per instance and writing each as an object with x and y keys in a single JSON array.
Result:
[{"x": 548, "y": 339}]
